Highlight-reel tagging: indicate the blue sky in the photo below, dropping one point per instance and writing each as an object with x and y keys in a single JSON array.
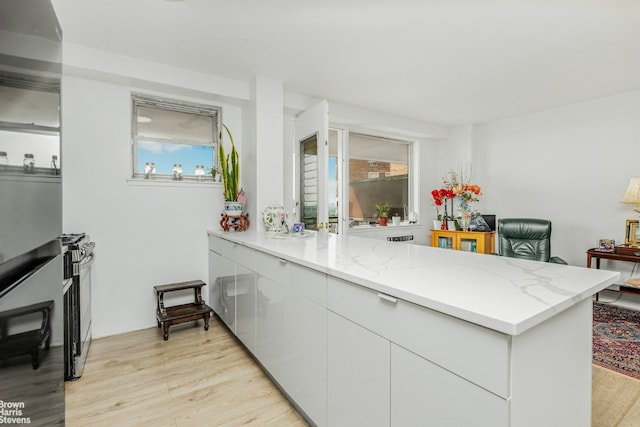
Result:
[{"x": 164, "y": 155}]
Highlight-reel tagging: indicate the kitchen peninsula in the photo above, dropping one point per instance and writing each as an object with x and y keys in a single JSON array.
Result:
[{"x": 360, "y": 331}]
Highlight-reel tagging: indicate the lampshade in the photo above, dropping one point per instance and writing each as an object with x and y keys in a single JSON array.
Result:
[{"x": 632, "y": 195}]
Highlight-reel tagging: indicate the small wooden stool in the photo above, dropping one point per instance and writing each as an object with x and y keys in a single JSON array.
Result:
[{"x": 174, "y": 315}]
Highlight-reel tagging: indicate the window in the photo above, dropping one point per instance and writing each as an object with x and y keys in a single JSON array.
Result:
[
  {"x": 173, "y": 140},
  {"x": 378, "y": 172},
  {"x": 309, "y": 181}
]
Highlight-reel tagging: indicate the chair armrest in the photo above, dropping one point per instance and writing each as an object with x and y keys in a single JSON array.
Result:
[{"x": 558, "y": 260}]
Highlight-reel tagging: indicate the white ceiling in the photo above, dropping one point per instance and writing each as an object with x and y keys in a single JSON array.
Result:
[{"x": 448, "y": 62}]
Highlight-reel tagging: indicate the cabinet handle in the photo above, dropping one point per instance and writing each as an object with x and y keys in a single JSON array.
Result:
[
  {"x": 282, "y": 261},
  {"x": 387, "y": 298}
]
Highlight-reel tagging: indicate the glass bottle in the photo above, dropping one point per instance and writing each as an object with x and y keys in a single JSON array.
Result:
[
  {"x": 4, "y": 161},
  {"x": 199, "y": 172},
  {"x": 29, "y": 163}
]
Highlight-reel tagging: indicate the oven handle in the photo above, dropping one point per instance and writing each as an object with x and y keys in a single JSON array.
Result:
[{"x": 87, "y": 261}]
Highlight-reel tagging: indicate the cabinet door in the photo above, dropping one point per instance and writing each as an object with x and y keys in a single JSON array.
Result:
[
  {"x": 358, "y": 375},
  {"x": 246, "y": 307},
  {"x": 305, "y": 355},
  {"x": 468, "y": 243},
  {"x": 270, "y": 326},
  {"x": 222, "y": 282},
  {"x": 424, "y": 394}
]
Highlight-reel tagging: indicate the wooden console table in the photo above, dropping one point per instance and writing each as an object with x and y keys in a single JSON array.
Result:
[
  {"x": 627, "y": 257},
  {"x": 470, "y": 241},
  {"x": 174, "y": 315},
  {"x": 598, "y": 255}
]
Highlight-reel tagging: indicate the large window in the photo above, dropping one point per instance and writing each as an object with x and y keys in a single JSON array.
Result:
[
  {"x": 173, "y": 140},
  {"x": 378, "y": 173}
]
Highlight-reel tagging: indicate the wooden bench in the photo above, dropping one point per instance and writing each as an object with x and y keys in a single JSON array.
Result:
[
  {"x": 173, "y": 315},
  {"x": 29, "y": 342}
]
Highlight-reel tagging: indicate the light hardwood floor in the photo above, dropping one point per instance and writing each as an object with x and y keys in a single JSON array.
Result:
[
  {"x": 199, "y": 378},
  {"x": 194, "y": 379}
]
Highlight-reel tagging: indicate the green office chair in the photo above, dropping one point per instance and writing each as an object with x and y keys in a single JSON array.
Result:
[{"x": 526, "y": 238}]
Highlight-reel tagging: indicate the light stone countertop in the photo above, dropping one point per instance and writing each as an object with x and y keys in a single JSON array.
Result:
[{"x": 504, "y": 294}]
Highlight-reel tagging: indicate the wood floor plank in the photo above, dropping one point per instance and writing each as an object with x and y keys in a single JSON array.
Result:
[
  {"x": 615, "y": 399},
  {"x": 196, "y": 378},
  {"x": 206, "y": 378}
]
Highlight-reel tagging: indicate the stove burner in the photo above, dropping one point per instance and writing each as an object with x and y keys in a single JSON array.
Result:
[{"x": 69, "y": 239}]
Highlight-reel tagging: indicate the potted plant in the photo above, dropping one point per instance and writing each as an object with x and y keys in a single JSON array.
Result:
[
  {"x": 213, "y": 172},
  {"x": 230, "y": 173},
  {"x": 383, "y": 210}
]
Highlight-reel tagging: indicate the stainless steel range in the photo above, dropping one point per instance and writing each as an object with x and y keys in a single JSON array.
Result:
[{"x": 78, "y": 257}]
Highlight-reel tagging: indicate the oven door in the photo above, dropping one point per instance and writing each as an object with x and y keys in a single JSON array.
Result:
[{"x": 83, "y": 313}]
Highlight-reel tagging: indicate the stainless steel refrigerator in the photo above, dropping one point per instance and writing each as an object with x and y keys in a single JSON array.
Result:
[{"x": 31, "y": 267}]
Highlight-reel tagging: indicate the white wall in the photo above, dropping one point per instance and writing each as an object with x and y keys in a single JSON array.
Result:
[
  {"x": 145, "y": 234},
  {"x": 570, "y": 165}
]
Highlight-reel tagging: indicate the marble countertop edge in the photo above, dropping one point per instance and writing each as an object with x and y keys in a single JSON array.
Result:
[{"x": 303, "y": 251}]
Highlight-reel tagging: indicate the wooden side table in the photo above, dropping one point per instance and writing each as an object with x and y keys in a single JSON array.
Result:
[
  {"x": 627, "y": 257},
  {"x": 173, "y": 315}
]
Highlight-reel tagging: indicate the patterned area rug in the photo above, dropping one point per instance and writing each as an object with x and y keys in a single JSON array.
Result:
[{"x": 616, "y": 339}]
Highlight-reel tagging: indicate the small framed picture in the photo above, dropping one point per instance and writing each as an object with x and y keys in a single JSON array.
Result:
[
  {"x": 632, "y": 235},
  {"x": 606, "y": 245}
]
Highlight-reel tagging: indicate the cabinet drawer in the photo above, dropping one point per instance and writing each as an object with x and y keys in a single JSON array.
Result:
[
  {"x": 309, "y": 283},
  {"x": 271, "y": 267},
  {"x": 233, "y": 251},
  {"x": 471, "y": 351}
]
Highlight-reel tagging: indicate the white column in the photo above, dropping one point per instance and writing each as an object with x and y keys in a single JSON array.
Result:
[{"x": 266, "y": 149}]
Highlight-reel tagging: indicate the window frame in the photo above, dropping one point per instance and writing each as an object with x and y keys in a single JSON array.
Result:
[
  {"x": 179, "y": 106},
  {"x": 413, "y": 178}
]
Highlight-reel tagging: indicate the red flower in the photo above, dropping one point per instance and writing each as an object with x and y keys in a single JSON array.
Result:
[{"x": 440, "y": 195}]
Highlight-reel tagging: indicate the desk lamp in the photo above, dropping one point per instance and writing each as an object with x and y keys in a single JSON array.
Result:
[{"x": 632, "y": 195}]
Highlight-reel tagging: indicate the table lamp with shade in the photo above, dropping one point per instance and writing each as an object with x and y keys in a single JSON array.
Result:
[{"x": 632, "y": 197}]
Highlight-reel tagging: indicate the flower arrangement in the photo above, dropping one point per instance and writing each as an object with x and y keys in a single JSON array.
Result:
[
  {"x": 457, "y": 186},
  {"x": 440, "y": 197}
]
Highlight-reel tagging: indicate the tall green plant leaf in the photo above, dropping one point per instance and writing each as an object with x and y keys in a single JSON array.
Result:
[{"x": 230, "y": 168}]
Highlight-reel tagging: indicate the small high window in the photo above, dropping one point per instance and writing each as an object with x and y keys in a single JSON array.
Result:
[{"x": 173, "y": 140}]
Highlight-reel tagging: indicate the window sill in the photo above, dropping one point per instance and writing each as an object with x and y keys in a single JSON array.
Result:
[{"x": 138, "y": 182}]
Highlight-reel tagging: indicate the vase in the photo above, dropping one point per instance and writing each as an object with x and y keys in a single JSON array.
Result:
[
  {"x": 233, "y": 208},
  {"x": 451, "y": 225},
  {"x": 465, "y": 223},
  {"x": 437, "y": 225}
]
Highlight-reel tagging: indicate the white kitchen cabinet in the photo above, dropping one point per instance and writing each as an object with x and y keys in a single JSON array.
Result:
[
  {"x": 305, "y": 355},
  {"x": 233, "y": 288},
  {"x": 292, "y": 332},
  {"x": 270, "y": 326},
  {"x": 442, "y": 339},
  {"x": 358, "y": 375},
  {"x": 246, "y": 306},
  {"x": 222, "y": 283},
  {"x": 424, "y": 394},
  {"x": 352, "y": 345},
  {"x": 214, "y": 288}
]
